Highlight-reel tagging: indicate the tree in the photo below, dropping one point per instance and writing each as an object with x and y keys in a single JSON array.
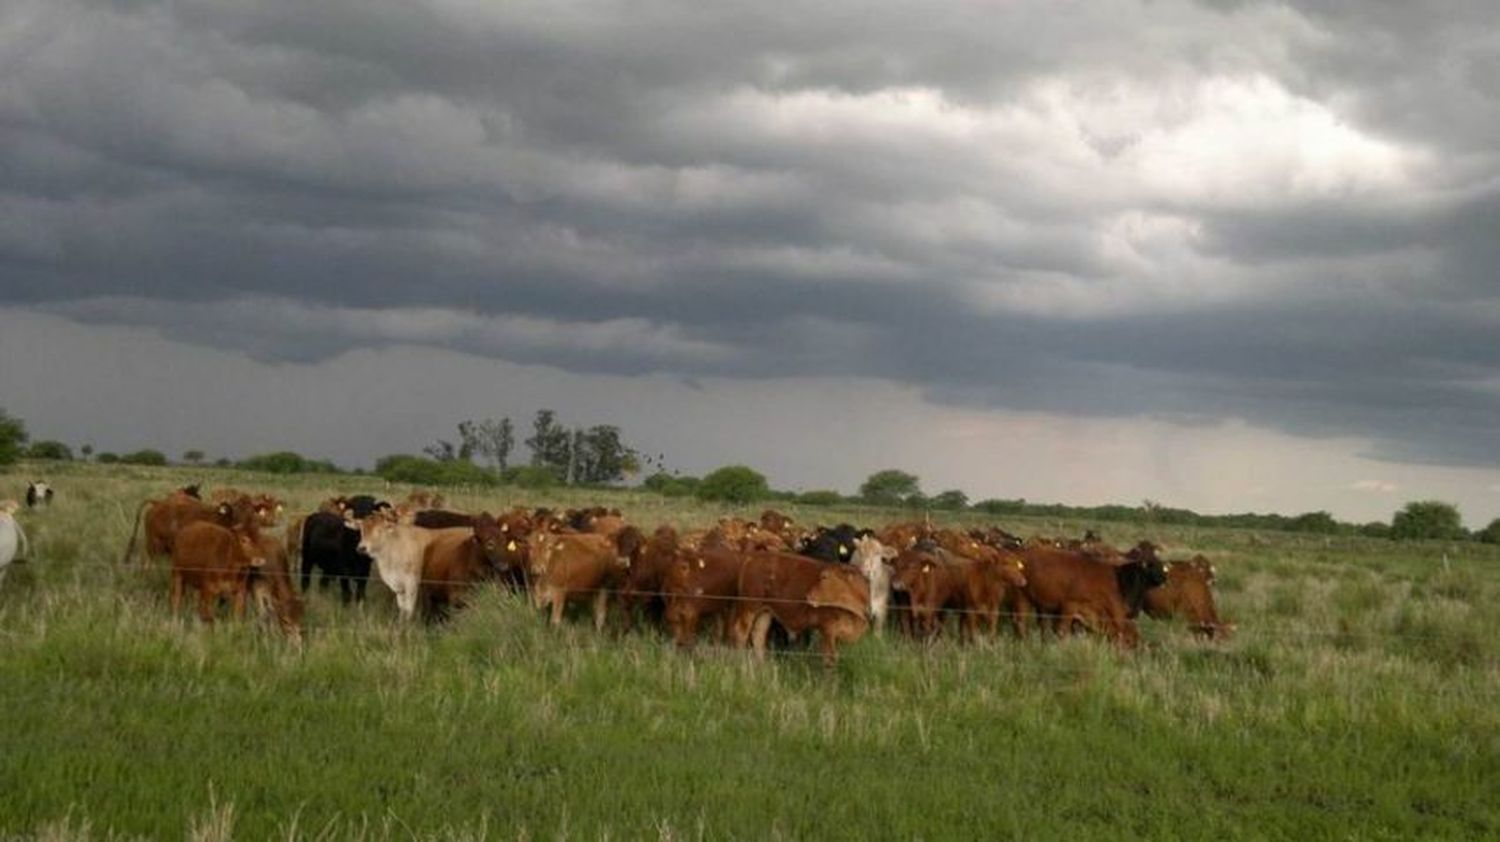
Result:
[
  {"x": 1315, "y": 522},
  {"x": 889, "y": 487},
  {"x": 50, "y": 450},
  {"x": 441, "y": 451},
  {"x": 733, "y": 484},
  {"x": 599, "y": 455},
  {"x": 107, "y": 458},
  {"x": 951, "y": 500},
  {"x": 1427, "y": 519},
  {"x": 87, "y": 451},
  {"x": 287, "y": 462},
  {"x": 819, "y": 497},
  {"x": 12, "y": 438},
  {"x": 492, "y": 440},
  {"x": 1490, "y": 534},
  {"x": 551, "y": 444},
  {"x": 192, "y": 457}
]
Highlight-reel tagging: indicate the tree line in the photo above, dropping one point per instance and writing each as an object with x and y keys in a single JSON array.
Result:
[{"x": 598, "y": 456}]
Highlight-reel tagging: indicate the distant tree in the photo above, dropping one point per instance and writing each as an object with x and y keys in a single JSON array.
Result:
[
  {"x": 192, "y": 457},
  {"x": 441, "y": 450},
  {"x": 223, "y": 462},
  {"x": 1001, "y": 507},
  {"x": 494, "y": 441},
  {"x": 50, "y": 450},
  {"x": 12, "y": 438},
  {"x": 107, "y": 458},
  {"x": 599, "y": 455},
  {"x": 532, "y": 476},
  {"x": 733, "y": 484},
  {"x": 669, "y": 485},
  {"x": 1490, "y": 534},
  {"x": 951, "y": 500},
  {"x": 87, "y": 451},
  {"x": 551, "y": 444},
  {"x": 1376, "y": 529},
  {"x": 889, "y": 487},
  {"x": 416, "y": 470},
  {"x": 1421, "y": 519},
  {"x": 145, "y": 457},
  {"x": 820, "y": 497},
  {"x": 468, "y": 440},
  {"x": 286, "y": 462},
  {"x": 917, "y": 500}
]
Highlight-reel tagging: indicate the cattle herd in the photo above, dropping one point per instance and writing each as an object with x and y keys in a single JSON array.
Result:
[{"x": 752, "y": 583}]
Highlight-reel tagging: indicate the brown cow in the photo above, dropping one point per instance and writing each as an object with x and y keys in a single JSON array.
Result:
[
  {"x": 504, "y": 543},
  {"x": 1189, "y": 594},
  {"x": 271, "y": 586},
  {"x": 164, "y": 518},
  {"x": 937, "y": 580},
  {"x": 453, "y": 561},
  {"x": 216, "y": 562},
  {"x": 700, "y": 583},
  {"x": 573, "y": 568},
  {"x": 1072, "y": 588},
  {"x": 783, "y": 525},
  {"x": 799, "y": 593},
  {"x": 646, "y": 576},
  {"x": 606, "y": 525}
]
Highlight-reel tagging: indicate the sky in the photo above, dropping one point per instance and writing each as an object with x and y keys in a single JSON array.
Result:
[{"x": 1232, "y": 256}]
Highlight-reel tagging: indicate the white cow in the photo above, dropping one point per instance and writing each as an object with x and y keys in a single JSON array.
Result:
[
  {"x": 874, "y": 559},
  {"x": 12, "y": 538},
  {"x": 399, "y": 550}
]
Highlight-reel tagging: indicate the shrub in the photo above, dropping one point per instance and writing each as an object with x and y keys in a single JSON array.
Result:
[
  {"x": 820, "y": 498},
  {"x": 50, "y": 450},
  {"x": 1001, "y": 507},
  {"x": 107, "y": 458},
  {"x": 670, "y": 486},
  {"x": 287, "y": 462},
  {"x": 1490, "y": 534},
  {"x": 889, "y": 487},
  {"x": 532, "y": 476},
  {"x": 733, "y": 484},
  {"x": 415, "y": 470},
  {"x": 143, "y": 457},
  {"x": 952, "y": 500}
]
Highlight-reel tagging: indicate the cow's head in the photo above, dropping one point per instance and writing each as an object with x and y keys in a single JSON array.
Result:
[
  {"x": 374, "y": 529},
  {"x": 1146, "y": 555}
]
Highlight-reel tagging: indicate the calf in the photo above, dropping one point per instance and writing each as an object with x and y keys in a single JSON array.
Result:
[
  {"x": 162, "y": 519},
  {"x": 330, "y": 544},
  {"x": 800, "y": 593},
  {"x": 937, "y": 581},
  {"x": 503, "y": 542},
  {"x": 216, "y": 562},
  {"x": 700, "y": 583},
  {"x": 1189, "y": 594},
  {"x": 649, "y": 558},
  {"x": 38, "y": 494},
  {"x": 12, "y": 538},
  {"x": 574, "y": 568}
]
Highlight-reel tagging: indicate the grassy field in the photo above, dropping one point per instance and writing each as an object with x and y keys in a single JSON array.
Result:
[{"x": 1358, "y": 701}]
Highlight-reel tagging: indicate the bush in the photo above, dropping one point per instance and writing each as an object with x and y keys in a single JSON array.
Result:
[
  {"x": 287, "y": 462},
  {"x": 12, "y": 439},
  {"x": 1490, "y": 534},
  {"x": 1001, "y": 507},
  {"x": 670, "y": 486},
  {"x": 1429, "y": 519},
  {"x": 143, "y": 457},
  {"x": 532, "y": 476},
  {"x": 820, "y": 498},
  {"x": 733, "y": 484},
  {"x": 50, "y": 450},
  {"x": 107, "y": 458},
  {"x": 952, "y": 500},
  {"x": 415, "y": 470},
  {"x": 889, "y": 487}
]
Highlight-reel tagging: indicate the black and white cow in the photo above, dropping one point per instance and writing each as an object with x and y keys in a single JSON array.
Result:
[{"x": 38, "y": 494}]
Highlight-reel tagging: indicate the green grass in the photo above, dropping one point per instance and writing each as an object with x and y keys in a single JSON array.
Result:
[{"x": 1358, "y": 700}]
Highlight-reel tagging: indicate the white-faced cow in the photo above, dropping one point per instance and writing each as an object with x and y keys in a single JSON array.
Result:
[{"x": 38, "y": 494}]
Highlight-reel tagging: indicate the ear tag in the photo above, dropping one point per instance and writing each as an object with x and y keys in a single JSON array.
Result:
[
  {"x": 843, "y": 550},
  {"x": 510, "y": 545},
  {"x": 926, "y": 568},
  {"x": 702, "y": 564}
]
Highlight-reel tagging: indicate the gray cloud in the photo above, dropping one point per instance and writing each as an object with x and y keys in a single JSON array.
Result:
[{"x": 1277, "y": 213}]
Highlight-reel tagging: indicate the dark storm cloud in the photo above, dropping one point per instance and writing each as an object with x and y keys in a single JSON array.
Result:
[{"x": 1179, "y": 210}]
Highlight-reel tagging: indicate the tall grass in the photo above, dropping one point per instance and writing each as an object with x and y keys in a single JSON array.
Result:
[{"x": 1358, "y": 700}]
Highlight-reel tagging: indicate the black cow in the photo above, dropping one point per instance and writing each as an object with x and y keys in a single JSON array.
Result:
[
  {"x": 1145, "y": 571},
  {"x": 442, "y": 519},
  {"x": 361, "y": 505},
  {"x": 333, "y": 547},
  {"x": 832, "y": 543},
  {"x": 38, "y": 494}
]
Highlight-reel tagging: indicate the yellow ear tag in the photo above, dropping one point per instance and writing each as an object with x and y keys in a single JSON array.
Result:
[
  {"x": 702, "y": 564},
  {"x": 510, "y": 545},
  {"x": 926, "y": 568},
  {"x": 843, "y": 550}
]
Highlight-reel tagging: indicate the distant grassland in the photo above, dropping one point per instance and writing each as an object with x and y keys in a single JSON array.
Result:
[{"x": 1360, "y": 699}]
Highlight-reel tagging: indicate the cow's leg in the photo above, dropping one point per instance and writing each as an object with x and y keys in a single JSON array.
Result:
[
  {"x": 346, "y": 591},
  {"x": 237, "y": 600},
  {"x": 559, "y": 600},
  {"x": 829, "y": 648},
  {"x": 208, "y": 599},
  {"x": 1020, "y": 616},
  {"x": 177, "y": 586},
  {"x": 601, "y": 609},
  {"x": 759, "y": 630},
  {"x": 307, "y": 568}
]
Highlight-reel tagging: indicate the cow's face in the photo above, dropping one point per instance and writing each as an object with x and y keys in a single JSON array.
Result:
[{"x": 375, "y": 531}]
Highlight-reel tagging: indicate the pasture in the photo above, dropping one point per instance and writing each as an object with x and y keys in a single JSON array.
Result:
[{"x": 1359, "y": 699}]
